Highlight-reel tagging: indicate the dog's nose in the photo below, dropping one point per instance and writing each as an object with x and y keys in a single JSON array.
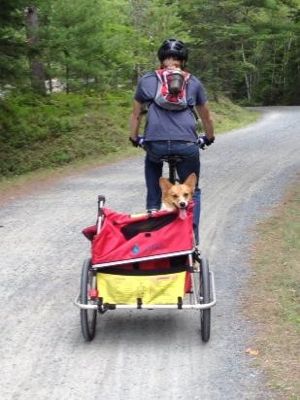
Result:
[{"x": 182, "y": 204}]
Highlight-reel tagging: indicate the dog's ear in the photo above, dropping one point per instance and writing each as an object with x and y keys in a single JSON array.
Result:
[
  {"x": 165, "y": 184},
  {"x": 191, "y": 181}
]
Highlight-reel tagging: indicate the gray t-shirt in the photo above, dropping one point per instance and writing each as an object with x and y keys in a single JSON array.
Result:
[{"x": 169, "y": 125}]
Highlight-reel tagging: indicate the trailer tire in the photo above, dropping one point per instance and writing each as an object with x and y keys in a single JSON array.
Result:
[
  {"x": 88, "y": 318},
  {"x": 205, "y": 315}
]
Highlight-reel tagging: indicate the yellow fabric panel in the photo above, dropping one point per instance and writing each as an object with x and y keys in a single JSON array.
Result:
[{"x": 154, "y": 289}]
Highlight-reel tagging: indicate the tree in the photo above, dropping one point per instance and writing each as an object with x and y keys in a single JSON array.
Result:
[
  {"x": 36, "y": 65},
  {"x": 153, "y": 21},
  {"x": 12, "y": 41},
  {"x": 245, "y": 48}
]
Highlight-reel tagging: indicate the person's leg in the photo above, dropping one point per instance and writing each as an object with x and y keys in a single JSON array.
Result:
[
  {"x": 153, "y": 171},
  {"x": 190, "y": 164}
]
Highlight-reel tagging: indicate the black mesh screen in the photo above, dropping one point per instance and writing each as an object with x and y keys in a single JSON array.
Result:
[{"x": 149, "y": 225}]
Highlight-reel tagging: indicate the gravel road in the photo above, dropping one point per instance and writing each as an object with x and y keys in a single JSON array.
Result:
[{"x": 136, "y": 355}]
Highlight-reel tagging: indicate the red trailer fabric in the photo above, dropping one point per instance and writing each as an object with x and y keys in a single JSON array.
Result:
[{"x": 124, "y": 237}]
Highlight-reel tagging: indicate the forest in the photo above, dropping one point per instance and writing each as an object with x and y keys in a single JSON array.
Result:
[{"x": 245, "y": 50}]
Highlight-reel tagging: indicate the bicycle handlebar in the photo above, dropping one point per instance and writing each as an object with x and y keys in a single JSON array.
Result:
[{"x": 202, "y": 141}]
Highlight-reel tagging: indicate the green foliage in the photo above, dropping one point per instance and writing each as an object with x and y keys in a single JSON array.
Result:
[
  {"x": 228, "y": 116},
  {"x": 42, "y": 132},
  {"x": 247, "y": 48},
  {"x": 12, "y": 42},
  {"x": 153, "y": 21},
  {"x": 240, "y": 48},
  {"x": 88, "y": 40},
  {"x": 38, "y": 132}
]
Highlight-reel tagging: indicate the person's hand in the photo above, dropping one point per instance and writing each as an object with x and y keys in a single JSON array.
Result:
[
  {"x": 204, "y": 141},
  {"x": 138, "y": 141}
]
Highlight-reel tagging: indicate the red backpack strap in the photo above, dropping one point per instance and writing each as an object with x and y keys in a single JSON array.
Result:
[
  {"x": 160, "y": 74},
  {"x": 162, "y": 81},
  {"x": 163, "y": 72},
  {"x": 187, "y": 76}
]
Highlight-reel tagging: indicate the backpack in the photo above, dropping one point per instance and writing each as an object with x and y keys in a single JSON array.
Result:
[{"x": 171, "y": 89}]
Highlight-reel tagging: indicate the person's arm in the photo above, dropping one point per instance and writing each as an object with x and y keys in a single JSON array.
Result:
[
  {"x": 207, "y": 121},
  {"x": 135, "y": 119}
]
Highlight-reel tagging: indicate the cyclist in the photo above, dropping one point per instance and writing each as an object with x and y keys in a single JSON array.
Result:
[{"x": 171, "y": 132}]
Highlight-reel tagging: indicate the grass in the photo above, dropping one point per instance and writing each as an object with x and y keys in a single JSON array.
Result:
[
  {"x": 67, "y": 132},
  {"x": 274, "y": 297},
  {"x": 44, "y": 133},
  {"x": 228, "y": 116}
]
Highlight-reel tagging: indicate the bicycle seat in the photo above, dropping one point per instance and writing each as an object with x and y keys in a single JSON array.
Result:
[{"x": 172, "y": 159}]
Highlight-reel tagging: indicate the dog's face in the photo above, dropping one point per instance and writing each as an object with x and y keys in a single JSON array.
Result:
[{"x": 179, "y": 195}]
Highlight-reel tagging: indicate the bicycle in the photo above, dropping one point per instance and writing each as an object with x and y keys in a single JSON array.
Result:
[
  {"x": 203, "y": 264},
  {"x": 173, "y": 258}
]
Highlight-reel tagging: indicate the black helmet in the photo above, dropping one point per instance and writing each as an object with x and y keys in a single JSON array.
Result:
[{"x": 172, "y": 48}]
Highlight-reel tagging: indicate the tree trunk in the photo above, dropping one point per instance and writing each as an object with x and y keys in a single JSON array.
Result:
[
  {"x": 247, "y": 80},
  {"x": 286, "y": 58},
  {"x": 67, "y": 78},
  {"x": 49, "y": 78},
  {"x": 138, "y": 10},
  {"x": 36, "y": 66}
]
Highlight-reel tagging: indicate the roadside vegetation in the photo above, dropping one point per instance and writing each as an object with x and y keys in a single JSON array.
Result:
[
  {"x": 94, "y": 52},
  {"x": 274, "y": 298},
  {"x": 38, "y": 132},
  {"x": 47, "y": 132}
]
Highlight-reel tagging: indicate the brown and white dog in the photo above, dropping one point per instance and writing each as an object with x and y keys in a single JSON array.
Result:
[{"x": 177, "y": 196}]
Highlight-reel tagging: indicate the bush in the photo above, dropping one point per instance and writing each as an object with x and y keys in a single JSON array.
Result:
[{"x": 41, "y": 132}]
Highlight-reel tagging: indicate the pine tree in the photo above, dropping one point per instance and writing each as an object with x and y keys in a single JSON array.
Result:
[{"x": 12, "y": 41}]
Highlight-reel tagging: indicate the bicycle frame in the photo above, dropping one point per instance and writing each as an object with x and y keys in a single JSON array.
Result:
[{"x": 172, "y": 161}]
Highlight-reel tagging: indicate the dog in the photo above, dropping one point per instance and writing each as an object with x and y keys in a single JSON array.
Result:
[{"x": 177, "y": 197}]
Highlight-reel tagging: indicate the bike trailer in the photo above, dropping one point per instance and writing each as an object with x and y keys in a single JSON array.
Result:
[{"x": 143, "y": 261}]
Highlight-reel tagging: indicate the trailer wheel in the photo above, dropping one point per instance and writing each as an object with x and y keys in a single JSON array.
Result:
[
  {"x": 88, "y": 318},
  {"x": 205, "y": 298}
]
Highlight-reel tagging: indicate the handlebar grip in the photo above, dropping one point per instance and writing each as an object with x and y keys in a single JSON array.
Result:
[
  {"x": 101, "y": 198},
  {"x": 101, "y": 201}
]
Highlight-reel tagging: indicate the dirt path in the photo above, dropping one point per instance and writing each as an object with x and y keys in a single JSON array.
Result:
[{"x": 138, "y": 355}]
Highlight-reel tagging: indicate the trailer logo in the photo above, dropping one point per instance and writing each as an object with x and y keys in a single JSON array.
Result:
[
  {"x": 135, "y": 249},
  {"x": 154, "y": 247}
]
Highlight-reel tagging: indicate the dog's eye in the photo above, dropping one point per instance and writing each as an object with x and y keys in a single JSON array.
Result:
[
  {"x": 175, "y": 196},
  {"x": 186, "y": 195}
]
